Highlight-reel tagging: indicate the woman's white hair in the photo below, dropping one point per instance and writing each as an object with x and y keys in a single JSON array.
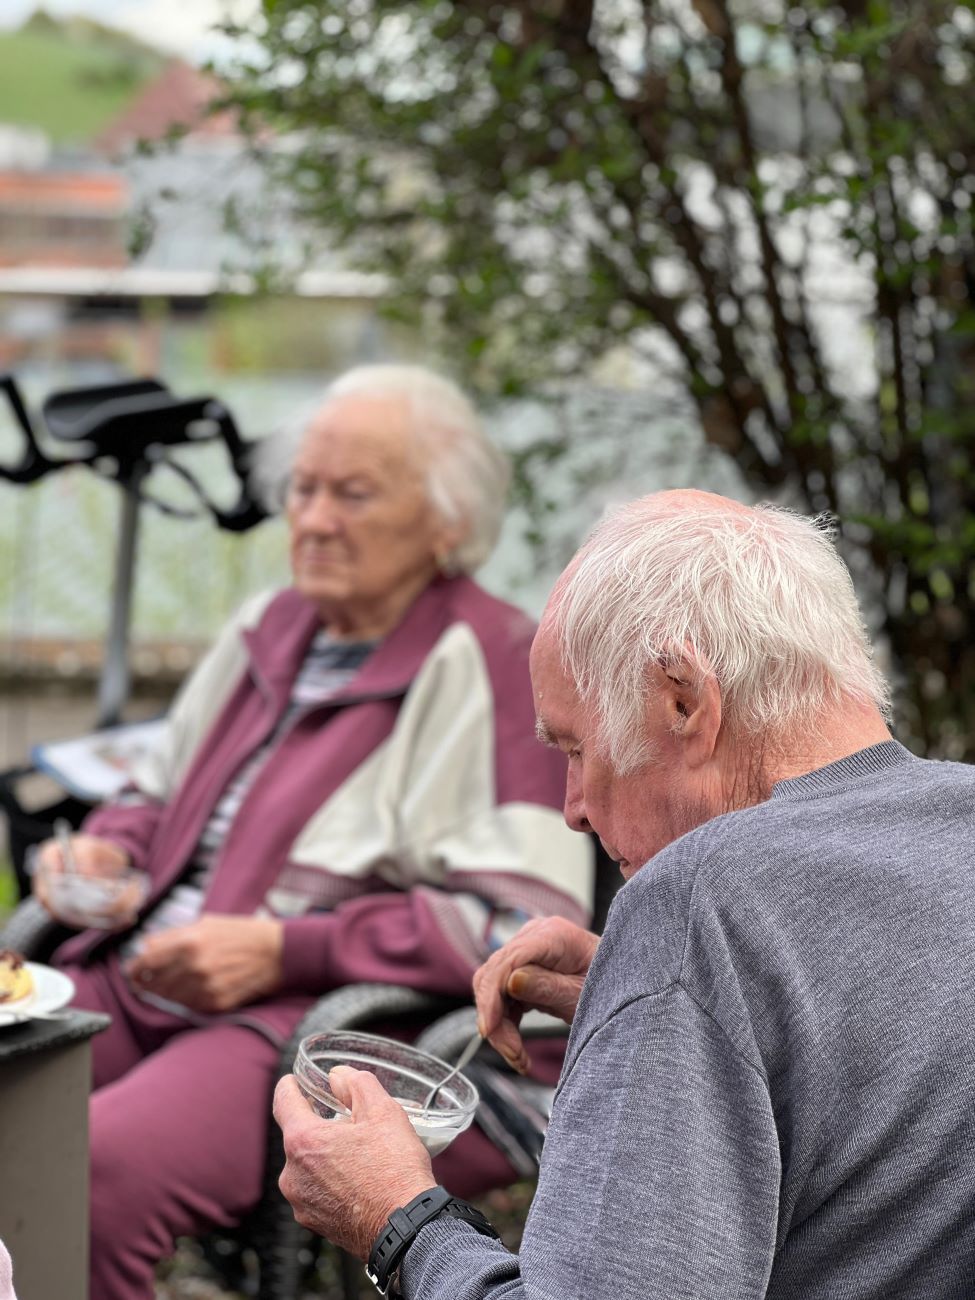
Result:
[
  {"x": 466, "y": 475},
  {"x": 755, "y": 597}
]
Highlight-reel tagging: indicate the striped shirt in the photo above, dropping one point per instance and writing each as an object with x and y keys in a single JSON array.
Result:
[{"x": 328, "y": 666}]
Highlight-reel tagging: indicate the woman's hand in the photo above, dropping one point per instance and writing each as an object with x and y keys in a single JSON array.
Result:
[
  {"x": 344, "y": 1177},
  {"x": 215, "y": 964},
  {"x": 93, "y": 857},
  {"x": 542, "y": 968}
]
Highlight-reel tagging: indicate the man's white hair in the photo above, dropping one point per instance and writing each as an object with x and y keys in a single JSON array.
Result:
[
  {"x": 466, "y": 475},
  {"x": 755, "y": 597}
]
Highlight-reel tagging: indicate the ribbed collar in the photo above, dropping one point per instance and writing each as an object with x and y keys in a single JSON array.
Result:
[{"x": 864, "y": 763}]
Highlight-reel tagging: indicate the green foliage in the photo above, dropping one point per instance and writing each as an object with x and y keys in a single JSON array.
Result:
[
  {"x": 9, "y": 893},
  {"x": 770, "y": 205},
  {"x": 69, "y": 78}
]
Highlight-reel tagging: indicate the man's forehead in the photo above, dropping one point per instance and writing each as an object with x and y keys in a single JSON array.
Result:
[
  {"x": 557, "y": 703},
  {"x": 545, "y": 659}
]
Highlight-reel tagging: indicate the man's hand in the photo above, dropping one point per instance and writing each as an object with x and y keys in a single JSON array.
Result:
[
  {"x": 93, "y": 857},
  {"x": 344, "y": 1177},
  {"x": 542, "y": 968},
  {"x": 215, "y": 964}
]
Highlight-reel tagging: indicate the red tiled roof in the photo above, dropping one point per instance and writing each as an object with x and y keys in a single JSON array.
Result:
[{"x": 178, "y": 97}]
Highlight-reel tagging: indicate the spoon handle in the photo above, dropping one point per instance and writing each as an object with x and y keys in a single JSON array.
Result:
[
  {"x": 462, "y": 1060},
  {"x": 62, "y": 831}
]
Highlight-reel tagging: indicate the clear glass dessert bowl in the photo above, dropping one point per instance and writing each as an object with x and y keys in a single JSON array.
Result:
[
  {"x": 107, "y": 900},
  {"x": 406, "y": 1073}
]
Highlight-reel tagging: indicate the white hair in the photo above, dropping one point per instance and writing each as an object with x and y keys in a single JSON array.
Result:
[
  {"x": 755, "y": 597},
  {"x": 466, "y": 475}
]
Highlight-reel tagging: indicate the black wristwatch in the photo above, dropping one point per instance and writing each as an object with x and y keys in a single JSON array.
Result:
[{"x": 402, "y": 1226}]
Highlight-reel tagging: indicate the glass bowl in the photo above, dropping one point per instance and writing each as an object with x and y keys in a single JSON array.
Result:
[
  {"x": 406, "y": 1073},
  {"x": 92, "y": 901}
]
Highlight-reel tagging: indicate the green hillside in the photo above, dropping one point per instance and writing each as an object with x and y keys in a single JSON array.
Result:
[{"x": 71, "y": 77}]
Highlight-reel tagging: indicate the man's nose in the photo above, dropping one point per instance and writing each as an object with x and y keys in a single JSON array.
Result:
[{"x": 574, "y": 809}]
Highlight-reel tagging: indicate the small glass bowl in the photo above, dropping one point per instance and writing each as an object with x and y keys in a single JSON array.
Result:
[
  {"x": 406, "y": 1073},
  {"x": 99, "y": 902}
]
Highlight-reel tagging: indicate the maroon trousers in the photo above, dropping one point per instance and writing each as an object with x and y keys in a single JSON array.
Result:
[{"x": 178, "y": 1127}]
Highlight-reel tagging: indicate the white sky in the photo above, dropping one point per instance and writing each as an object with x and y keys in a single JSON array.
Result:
[{"x": 181, "y": 26}]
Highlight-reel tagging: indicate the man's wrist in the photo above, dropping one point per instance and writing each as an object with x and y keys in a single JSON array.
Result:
[
  {"x": 402, "y": 1226},
  {"x": 401, "y": 1190}
]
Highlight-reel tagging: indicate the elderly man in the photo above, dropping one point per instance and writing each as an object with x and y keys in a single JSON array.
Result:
[{"x": 770, "y": 1082}]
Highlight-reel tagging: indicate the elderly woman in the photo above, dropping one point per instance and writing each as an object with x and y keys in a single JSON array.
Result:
[{"x": 349, "y": 789}]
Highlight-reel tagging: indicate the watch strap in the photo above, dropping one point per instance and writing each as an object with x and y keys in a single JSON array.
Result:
[{"x": 403, "y": 1225}]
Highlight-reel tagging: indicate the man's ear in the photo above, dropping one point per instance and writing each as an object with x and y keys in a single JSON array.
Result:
[{"x": 695, "y": 709}]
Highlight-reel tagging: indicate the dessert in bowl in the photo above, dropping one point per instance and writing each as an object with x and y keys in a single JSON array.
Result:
[
  {"x": 406, "y": 1073},
  {"x": 107, "y": 900}
]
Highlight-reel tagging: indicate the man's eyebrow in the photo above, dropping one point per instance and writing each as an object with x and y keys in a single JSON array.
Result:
[
  {"x": 544, "y": 733},
  {"x": 552, "y": 737}
]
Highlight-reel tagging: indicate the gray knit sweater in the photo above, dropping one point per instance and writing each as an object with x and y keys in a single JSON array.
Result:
[{"x": 770, "y": 1082}]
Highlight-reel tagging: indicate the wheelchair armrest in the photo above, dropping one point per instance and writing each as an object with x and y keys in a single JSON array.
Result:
[
  {"x": 357, "y": 1004},
  {"x": 32, "y": 931}
]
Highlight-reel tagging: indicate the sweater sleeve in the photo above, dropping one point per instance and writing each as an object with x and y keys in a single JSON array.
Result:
[
  {"x": 390, "y": 938},
  {"x": 424, "y": 938},
  {"x": 131, "y": 825},
  {"x": 659, "y": 1176}
]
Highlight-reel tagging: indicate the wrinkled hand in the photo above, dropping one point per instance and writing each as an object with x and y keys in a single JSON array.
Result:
[
  {"x": 93, "y": 857},
  {"x": 542, "y": 968},
  {"x": 215, "y": 964},
  {"x": 344, "y": 1177}
]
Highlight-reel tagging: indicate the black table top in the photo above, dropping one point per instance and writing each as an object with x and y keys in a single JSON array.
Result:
[{"x": 43, "y": 1035}]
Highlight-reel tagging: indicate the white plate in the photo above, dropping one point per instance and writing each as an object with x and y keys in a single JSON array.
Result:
[{"x": 52, "y": 991}]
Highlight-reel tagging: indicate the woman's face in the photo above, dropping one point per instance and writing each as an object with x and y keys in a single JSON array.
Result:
[{"x": 364, "y": 538}]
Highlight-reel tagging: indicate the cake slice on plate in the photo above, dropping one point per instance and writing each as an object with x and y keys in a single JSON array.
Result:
[{"x": 16, "y": 981}]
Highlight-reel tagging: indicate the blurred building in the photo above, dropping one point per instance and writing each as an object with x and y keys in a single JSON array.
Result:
[
  {"x": 62, "y": 218},
  {"x": 135, "y": 249},
  {"x": 161, "y": 216}
]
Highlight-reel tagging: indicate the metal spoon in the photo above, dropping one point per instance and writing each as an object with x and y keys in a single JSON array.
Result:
[
  {"x": 462, "y": 1060},
  {"x": 62, "y": 831}
]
